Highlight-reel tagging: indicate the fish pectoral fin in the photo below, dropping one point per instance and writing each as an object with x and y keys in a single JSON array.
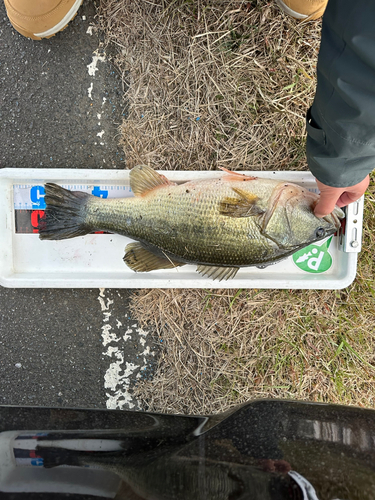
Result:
[
  {"x": 217, "y": 272},
  {"x": 140, "y": 259},
  {"x": 244, "y": 206},
  {"x": 144, "y": 179}
]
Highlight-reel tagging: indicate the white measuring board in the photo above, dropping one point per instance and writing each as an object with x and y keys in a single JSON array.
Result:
[{"x": 96, "y": 260}]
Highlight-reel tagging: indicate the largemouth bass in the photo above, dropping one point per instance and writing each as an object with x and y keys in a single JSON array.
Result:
[{"x": 220, "y": 224}]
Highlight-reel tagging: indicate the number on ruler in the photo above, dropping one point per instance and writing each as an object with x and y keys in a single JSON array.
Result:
[
  {"x": 37, "y": 197},
  {"x": 35, "y": 216},
  {"x": 101, "y": 193}
]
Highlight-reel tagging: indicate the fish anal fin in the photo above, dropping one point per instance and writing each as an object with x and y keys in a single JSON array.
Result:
[
  {"x": 244, "y": 206},
  {"x": 144, "y": 179},
  {"x": 217, "y": 272},
  {"x": 140, "y": 259},
  {"x": 236, "y": 176}
]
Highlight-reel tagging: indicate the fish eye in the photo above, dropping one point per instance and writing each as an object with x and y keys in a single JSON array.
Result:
[{"x": 320, "y": 232}]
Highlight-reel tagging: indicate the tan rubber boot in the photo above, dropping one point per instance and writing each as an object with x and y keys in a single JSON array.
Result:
[
  {"x": 305, "y": 10},
  {"x": 39, "y": 19}
]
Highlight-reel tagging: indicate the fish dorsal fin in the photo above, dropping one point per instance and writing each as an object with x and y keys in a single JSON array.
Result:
[
  {"x": 217, "y": 272},
  {"x": 236, "y": 176},
  {"x": 245, "y": 205},
  {"x": 144, "y": 179},
  {"x": 140, "y": 259}
]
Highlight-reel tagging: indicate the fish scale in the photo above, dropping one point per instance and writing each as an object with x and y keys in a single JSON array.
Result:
[{"x": 170, "y": 218}]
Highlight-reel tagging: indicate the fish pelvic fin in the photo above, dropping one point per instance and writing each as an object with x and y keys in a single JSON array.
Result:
[
  {"x": 217, "y": 272},
  {"x": 140, "y": 259},
  {"x": 64, "y": 216},
  {"x": 245, "y": 205},
  {"x": 144, "y": 179}
]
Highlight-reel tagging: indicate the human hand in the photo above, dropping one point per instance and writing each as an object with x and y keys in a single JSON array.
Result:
[{"x": 341, "y": 196}]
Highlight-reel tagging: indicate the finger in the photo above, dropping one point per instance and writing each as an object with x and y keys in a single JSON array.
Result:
[
  {"x": 348, "y": 197},
  {"x": 325, "y": 205}
]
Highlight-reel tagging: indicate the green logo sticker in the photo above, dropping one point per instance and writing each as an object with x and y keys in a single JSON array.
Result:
[{"x": 314, "y": 258}]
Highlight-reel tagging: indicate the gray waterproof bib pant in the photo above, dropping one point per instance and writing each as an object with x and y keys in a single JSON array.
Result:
[{"x": 341, "y": 122}]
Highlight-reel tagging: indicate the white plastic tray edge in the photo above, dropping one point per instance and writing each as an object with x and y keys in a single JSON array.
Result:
[{"x": 9, "y": 278}]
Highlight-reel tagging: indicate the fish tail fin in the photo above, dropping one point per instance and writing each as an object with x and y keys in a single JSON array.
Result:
[{"x": 65, "y": 214}]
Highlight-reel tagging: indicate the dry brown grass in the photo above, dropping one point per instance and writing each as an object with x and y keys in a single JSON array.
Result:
[
  {"x": 214, "y": 83},
  {"x": 224, "y": 347},
  {"x": 248, "y": 73}
]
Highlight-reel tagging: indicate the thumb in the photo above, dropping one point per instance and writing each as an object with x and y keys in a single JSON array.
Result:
[{"x": 327, "y": 201}]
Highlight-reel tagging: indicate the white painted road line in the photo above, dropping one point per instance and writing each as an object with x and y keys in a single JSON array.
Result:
[{"x": 124, "y": 369}]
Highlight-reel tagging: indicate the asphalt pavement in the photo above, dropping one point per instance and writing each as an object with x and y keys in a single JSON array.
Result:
[{"x": 61, "y": 102}]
